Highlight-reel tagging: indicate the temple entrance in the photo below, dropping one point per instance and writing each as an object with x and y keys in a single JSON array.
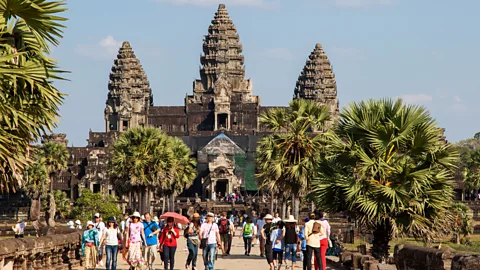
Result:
[
  {"x": 222, "y": 120},
  {"x": 221, "y": 186}
]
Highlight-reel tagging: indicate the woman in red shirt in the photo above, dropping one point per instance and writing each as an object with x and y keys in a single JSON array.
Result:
[{"x": 168, "y": 243}]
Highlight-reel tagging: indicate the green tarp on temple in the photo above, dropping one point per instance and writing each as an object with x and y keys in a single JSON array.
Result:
[{"x": 245, "y": 169}]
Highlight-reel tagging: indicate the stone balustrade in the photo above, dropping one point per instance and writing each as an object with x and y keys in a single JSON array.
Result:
[{"x": 58, "y": 251}]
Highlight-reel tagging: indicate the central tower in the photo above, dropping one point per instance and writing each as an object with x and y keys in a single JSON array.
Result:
[{"x": 222, "y": 98}]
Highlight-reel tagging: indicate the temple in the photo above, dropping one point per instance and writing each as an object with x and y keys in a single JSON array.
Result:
[{"x": 219, "y": 120}]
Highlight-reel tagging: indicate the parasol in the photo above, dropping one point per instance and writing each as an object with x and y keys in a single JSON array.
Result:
[{"x": 177, "y": 218}]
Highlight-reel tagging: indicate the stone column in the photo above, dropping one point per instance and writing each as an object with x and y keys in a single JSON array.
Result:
[
  {"x": 228, "y": 121},
  {"x": 215, "y": 122},
  {"x": 212, "y": 188}
]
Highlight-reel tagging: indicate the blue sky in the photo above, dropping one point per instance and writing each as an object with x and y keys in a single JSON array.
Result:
[{"x": 424, "y": 51}]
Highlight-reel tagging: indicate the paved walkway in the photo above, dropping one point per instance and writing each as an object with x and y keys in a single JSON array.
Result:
[{"x": 236, "y": 261}]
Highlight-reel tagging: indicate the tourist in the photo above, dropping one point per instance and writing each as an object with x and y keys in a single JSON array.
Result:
[
  {"x": 210, "y": 232},
  {"x": 313, "y": 230},
  {"x": 111, "y": 236},
  {"x": 291, "y": 241},
  {"x": 134, "y": 237},
  {"x": 78, "y": 224},
  {"x": 323, "y": 241},
  {"x": 266, "y": 233},
  {"x": 19, "y": 228},
  {"x": 100, "y": 227},
  {"x": 124, "y": 223},
  {"x": 254, "y": 221},
  {"x": 90, "y": 243},
  {"x": 278, "y": 244},
  {"x": 303, "y": 245},
  {"x": 193, "y": 241},
  {"x": 71, "y": 225},
  {"x": 261, "y": 240},
  {"x": 231, "y": 234},
  {"x": 277, "y": 218},
  {"x": 168, "y": 243},
  {"x": 151, "y": 231},
  {"x": 247, "y": 234},
  {"x": 224, "y": 230}
]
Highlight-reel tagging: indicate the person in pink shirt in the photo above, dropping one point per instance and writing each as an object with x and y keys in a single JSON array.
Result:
[{"x": 134, "y": 237}]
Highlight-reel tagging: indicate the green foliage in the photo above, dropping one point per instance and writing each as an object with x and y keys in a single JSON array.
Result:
[
  {"x": 62, "y": 203},
  {"x": 463, "y": 224},
  {"x": 90, "y": 203},
  {"x": 149, "y": 157},
  {"x": 386, "y": 166},
  {"x": 36, "y": 176},
  {"x": 28, "y": 99}
]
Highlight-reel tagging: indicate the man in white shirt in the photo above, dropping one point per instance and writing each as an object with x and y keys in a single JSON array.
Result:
[
  {"x": 209, "y": 230},
  {"x": 19, "y": 229},
  {"x": 313, "y": 241},
  {"x": 260, "y": 224},
  {"x": 276, "y": 219},
  {"x": 99, "y": 225}
]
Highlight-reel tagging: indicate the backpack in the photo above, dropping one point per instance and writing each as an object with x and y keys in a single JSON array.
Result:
[
  {"x": 317, "y": 228},
  {"x": 248, "y": 229},
  {"x": 224, "y": 226}
]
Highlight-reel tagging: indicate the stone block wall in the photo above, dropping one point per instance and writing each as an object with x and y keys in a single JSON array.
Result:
[
  {"x": 409, "y": 257},
  {"x": 57, "y": 251}
]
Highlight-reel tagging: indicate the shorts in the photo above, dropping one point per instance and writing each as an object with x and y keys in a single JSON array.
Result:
[
  {"x": 224, "y": 237},
  {"x": 150, "y": 253}
]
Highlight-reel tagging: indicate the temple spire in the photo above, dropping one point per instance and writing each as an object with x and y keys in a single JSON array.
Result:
[
  {"x": 317, "y": 81},
  {"x": 222, "y": 52}
]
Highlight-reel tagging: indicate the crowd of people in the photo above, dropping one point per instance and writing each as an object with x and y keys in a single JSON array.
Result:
[{"x": 140, "y": 239}]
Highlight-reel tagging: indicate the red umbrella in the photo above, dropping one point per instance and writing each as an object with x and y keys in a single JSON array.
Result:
[{"x": 177, "y": 218}]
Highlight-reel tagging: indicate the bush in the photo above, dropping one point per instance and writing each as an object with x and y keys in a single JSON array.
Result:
[{"x": 90, "y": 203}]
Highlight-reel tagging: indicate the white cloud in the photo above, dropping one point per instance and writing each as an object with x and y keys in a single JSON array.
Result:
[
  {"x": 416, "y": 98},
  {"x": 363, "y": 3},
  {"x": 458, "y": 105},
  {"x": 258, "y": 3},
  {"x": 279, "y": 53},
  {"x": 457, "y": 99},
  {"x": 106, "y": 48}
]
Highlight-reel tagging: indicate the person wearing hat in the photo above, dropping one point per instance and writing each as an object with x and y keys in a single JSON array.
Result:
[
  {"x": 110, "y": 239},
  {"x": 266, "y": 233},
  {"x": 71, "y": 225},
  {"x": 90, "y": 243},
  {"x": 134, "y": 237},
  {"x": 19, "y": 228},
  {"x": 192, "y": 241},
  {"x": 78, "y": 224},
  {"x": 291, "y": 240},
  {"x": 100, "y": 227},
  {"x": 210, "y": 233}
]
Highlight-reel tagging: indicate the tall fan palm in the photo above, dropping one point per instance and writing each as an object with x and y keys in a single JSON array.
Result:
[
  {"x": 28, "y": 100},
  {"x": 387, "y": 167},
  {"x": 36, "y": 186},
  {"x": 183, "y": 169},
  {"x": 288, "y": 156},
  {"x": 140, "y": 160},
  {"x": 56, "y": 157}
]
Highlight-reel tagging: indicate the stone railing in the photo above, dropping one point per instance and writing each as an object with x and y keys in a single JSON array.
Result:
[{"x": 57, "y": 251}]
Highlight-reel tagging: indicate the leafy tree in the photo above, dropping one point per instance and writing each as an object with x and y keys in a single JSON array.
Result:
[
  {"x": 463, "y": 223},
  {"x": 28, "y": 99},
  {"x": 289, "y": 155},
  {"x": 141, "y": 160},
  {"x": 471, "y": 172},
  {"x": 55, "y": 156},
  {"x": 385, "y": 166},
  {"x": 36, "y": 185},
  {"x": 90, "y": 203}
]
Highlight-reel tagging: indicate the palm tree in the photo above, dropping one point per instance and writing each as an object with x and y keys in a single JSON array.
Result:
[
  {"x": 56, "y": 157},
  {"x": 288, "y": 156},
  {"x": 28, "y": 100},
  {"x": 140, "y": 160},
  {"x": 386, "y": 166},
  {"x": 182, "y": 171},
  {"x": 36, "y": 186},
  {"x": 471, "y": 172}
]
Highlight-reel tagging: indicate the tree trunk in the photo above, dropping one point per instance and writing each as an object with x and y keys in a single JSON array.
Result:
[
  {"x": 168, "y": 203},
  {"x": 173, "y": 202},
  {"x": 163, "y": 203},
  {"x": 382, "y": 234},
  {"x": 50, "y": 215},
  {"x": 272, "y": 206},
  {"x": 284, "y": 207},
  {"x": 296, "y": 206},
  {"x": 145, "y": 200}
]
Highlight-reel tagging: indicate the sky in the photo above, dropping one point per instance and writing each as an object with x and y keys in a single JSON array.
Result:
[{"x": 425, "y": 52}]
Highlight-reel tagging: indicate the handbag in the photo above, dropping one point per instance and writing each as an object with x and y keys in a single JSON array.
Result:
[{"x": 204, "y": 240}]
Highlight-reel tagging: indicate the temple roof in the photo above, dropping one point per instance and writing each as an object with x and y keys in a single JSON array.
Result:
[
  {"x": 222, "y": 144},
  {"x": 222, "y": 52},
  {"x": 317, "y": 81},
  {"x": 127, "y": 73}
]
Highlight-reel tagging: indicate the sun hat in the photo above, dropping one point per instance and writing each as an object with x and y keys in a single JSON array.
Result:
[
  {"x": 210, "y": 214},
  {"x": 135, "y": 214},
  {"x": 97, "y": 215},
  {"x": 268, "y": 216},
  {"x": 291, "y": 219},
  {"x": 196, "y": 215},
  {"x": 155, "y": 218},
  {"x": 70, "y": 223},
  {"x": 90, "y": 223},
  {"x": 78, "y": 222},
  {"x": 111, "y": 219}
]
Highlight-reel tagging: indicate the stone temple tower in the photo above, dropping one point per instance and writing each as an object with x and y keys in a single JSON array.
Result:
[
  {"x": 222, "y": 98},
  {"x": 317, "y": 82},
  {"x": 129, "y": 96}
]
